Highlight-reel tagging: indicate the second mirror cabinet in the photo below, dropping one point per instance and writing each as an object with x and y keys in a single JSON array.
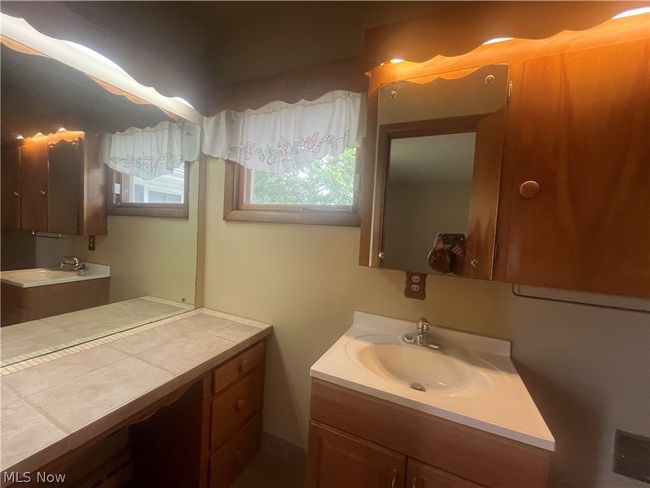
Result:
[
  {"x": 549, "y": 188},
  {"x": 56, "y": 187}
]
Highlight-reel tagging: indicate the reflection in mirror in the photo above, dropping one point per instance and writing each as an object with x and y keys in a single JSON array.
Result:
[
  {"x": 430, "y": 180},
  {"x": 440, "y": 141},
  {"x": 54, "y": 190}
]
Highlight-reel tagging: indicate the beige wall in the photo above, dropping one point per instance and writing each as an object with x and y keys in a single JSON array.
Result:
[
  {"x": 148, "y": 256},
  {"x": 587, "y": 368}
]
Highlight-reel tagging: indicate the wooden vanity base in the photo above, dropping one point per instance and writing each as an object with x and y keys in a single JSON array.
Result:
[{"x": 356, "y": 436}]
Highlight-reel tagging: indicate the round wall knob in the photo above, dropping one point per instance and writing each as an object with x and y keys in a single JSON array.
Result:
[{"x": 529, "y": 189}]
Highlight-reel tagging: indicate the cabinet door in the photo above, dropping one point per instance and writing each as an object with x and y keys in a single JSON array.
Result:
[
  {"x": 33, "y": 184},
  {"x": 420, "y": 475},
  {"x": 65, "y": 179},
  {"x": 339, "y": 460},
  {"x": 580, "y": 123},
  {"x": 10, "y": 180}
]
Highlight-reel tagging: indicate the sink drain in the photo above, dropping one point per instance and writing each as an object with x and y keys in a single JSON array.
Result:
[{"x": 417, "y": 386}]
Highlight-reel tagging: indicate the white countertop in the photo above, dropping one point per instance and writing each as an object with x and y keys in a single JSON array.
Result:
[
  {"x": 498, "y": 402},
  {"x": 27, "y": 278},
  {"x": 53, "y": 407}
]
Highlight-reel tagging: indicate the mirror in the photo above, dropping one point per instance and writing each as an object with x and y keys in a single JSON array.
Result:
[
  {"x": 439, "y": 151},
  {"x": 54, "y": 197}
]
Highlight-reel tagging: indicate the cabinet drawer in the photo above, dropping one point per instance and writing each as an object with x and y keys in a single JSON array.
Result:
[
  {"x": 238, "y": 367},
  {"x": 227, "y": 462},
  {"x": 235, "y": 405}
]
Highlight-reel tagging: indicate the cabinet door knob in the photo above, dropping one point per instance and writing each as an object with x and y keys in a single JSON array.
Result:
[
  {"x": 243, "y": 365},
  {"x": 43, "y": 192},
  {"x": 16, "y": 194},
  {"x": 241, "y": 404},
  {"x": 529, "y": 189}
]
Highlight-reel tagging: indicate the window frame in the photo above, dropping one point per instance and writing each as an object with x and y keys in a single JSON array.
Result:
[
  {"x": 236, "y": 209},
  {"x": 114, "y": 205}
]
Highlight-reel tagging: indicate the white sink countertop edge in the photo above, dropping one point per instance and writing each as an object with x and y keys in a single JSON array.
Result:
[
  {"x": 491, "y": 412},
  {"x": 20, "y": 277}
]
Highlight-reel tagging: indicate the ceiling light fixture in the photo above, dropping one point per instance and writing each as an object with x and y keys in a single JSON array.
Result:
[
  {"x": 396, "y": 60},
  {"x": 634, "y": 11},
  {"x": 496, "y": 40},
  {"x": 19, "y": 137}
]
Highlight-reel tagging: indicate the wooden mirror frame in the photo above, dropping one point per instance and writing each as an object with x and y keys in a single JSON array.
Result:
[{"x": 481, "y": 239}]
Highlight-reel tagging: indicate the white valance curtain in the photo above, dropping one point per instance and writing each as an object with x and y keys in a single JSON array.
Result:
[
  {"x": 278, "y": 136},
  {"x": 152, "y": 151}
]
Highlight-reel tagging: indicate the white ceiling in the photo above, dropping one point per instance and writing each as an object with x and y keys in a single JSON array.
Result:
[{"x": 439, "y": 158}]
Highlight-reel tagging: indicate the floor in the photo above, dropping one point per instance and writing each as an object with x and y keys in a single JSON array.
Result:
[{"x": 276, "y": 466}]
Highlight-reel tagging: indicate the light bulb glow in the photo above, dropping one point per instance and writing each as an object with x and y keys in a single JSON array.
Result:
[
  {"x": 634, "y": 11},
  {"x": 61, "y": 129},
  {"x": 396, "y": 60},
  {"x": 497, "y": 40},
  {"x": 19, "y": 137}
]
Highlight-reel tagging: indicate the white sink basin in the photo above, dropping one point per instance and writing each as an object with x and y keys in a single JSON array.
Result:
[
  {"x": 418, "y": 368},
  {"x": 26, "y": 278},
  {"x": 470, "y": 380}
]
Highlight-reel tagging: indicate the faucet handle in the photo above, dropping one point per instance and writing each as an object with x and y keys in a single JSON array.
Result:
[{"x": 422, "y": 326}]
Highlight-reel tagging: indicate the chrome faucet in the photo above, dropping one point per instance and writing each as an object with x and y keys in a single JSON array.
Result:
[
  {"x": 72, "y": 263},
  {"x": 421, "y": 336}
]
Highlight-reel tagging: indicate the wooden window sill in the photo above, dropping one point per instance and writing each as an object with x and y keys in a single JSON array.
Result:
[
  {"x": 152, "y": 210},
  {"x": 346, "y": 219}
]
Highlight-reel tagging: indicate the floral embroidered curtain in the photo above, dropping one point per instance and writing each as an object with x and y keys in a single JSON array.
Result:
[
  {"x": 152, "y": 151},
  {"x": 278, "y": 136}
]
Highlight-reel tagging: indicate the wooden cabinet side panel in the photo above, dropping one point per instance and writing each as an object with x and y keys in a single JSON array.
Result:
[
  {"x": 485, "y": 196},
  {"x": 337, "y": 460},
  {"x": 10, "y": 180},
  {"x": 583, "y": 133},
  {"x": 495, "y": 460},
  {"x": 33, "y": 186},
  {"x": 95, "y": 190}
]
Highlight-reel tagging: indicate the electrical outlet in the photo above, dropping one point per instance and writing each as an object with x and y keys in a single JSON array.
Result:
[
  {"x": 632, "y": 456},
  {"x": 415, "y": 285}
]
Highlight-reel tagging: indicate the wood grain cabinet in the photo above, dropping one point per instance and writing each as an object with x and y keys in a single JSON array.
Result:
[
  {"x": 575, "y": 203},
  {"x": 54, "y": 187},
  {"x": 359, "y": 441},
  {"x": 207, "y": 437}
]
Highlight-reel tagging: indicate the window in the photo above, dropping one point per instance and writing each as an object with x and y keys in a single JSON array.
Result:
[
  {"x": 322, "y": 192},
  {"x": 162, "y": 196}
]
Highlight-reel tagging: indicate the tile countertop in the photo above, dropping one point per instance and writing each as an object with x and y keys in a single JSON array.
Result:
[
  {"x": 27, "y": 278},
  {"x": 504, "y": 408},
  {"x": 51, "y": 408},
  {"x": 30, "y": 340}
]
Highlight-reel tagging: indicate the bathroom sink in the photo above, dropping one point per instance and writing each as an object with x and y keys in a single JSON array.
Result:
[
  {"x": 26, "y": 278},
  {"x": 419, "y": 368},
  {"x": 469, "y": 380}
]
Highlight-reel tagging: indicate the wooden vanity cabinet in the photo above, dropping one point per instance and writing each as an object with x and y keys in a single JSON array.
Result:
[
  {"x": 575, "y": 194},
  {"x": 207, "y": 437},
  {"x": 356, "y": 440}
]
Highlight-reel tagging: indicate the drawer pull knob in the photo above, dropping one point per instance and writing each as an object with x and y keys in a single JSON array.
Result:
[
  {"x": 241, "y": 404},
  {"x": 243, "y": 365},
  {"x": 529, "y": 189},
  {"x": 239, "y": 455}
]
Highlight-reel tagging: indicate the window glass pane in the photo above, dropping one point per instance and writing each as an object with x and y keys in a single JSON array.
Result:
[
  {"x": 162, "y": 189},
  {"x": 329, "y": 181}
]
